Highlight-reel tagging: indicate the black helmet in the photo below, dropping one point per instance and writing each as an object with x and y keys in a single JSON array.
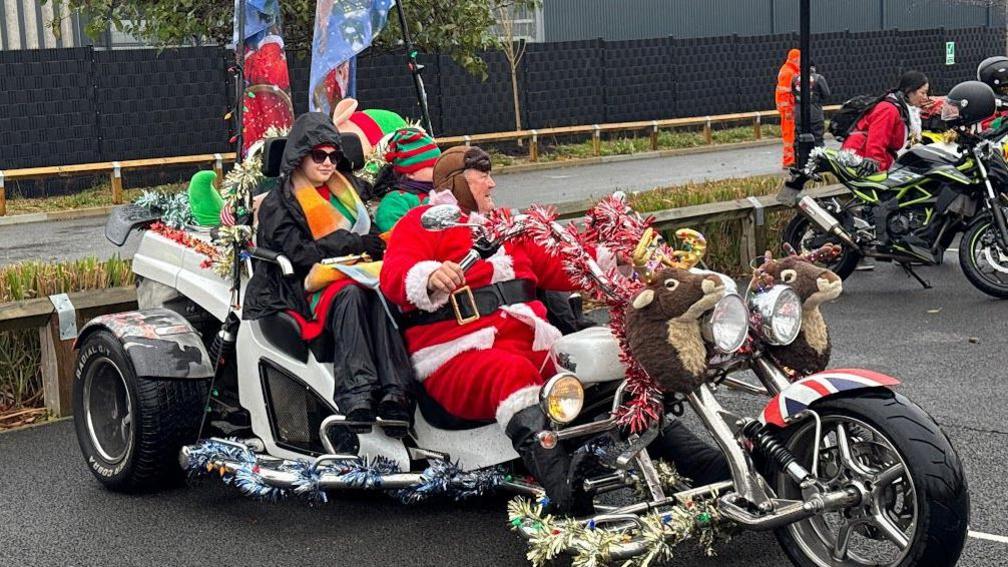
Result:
[
  {"x": 994, "y": 72},
  {"x": 968, "y": 103}
]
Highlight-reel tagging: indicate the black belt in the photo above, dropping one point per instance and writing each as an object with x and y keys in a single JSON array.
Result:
[{"x": 467, "y": 304}]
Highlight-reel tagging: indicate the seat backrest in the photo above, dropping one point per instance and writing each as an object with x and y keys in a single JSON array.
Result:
[{"x": 351, "y": 160}]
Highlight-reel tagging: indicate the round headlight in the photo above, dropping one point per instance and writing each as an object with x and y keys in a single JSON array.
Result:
[
  {"x": 780, "y": 312},
  {"x": 562, "y": 398},
  {"x": 727, "y": 326}
]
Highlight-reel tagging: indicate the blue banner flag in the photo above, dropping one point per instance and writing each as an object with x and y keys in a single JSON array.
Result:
[{"x": 343, "y": 29}]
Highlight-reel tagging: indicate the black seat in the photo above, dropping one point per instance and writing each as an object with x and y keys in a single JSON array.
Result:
[
  {"x": 283, "y": 332},
  {"x": 438, "y": 417}
]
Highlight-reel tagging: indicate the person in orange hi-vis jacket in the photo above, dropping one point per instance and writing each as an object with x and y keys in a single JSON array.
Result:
[{"x": 786, "y": 104}]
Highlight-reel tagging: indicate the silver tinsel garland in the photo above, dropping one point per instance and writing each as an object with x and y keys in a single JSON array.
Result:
[
  {"x": 441, "y": 478},
  {"x": 174, "y": 207}
]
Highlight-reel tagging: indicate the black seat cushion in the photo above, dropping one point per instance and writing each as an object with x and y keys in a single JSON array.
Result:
[
  {"x": 283, "y": 332},
  {"x": 439, "y": 417}
]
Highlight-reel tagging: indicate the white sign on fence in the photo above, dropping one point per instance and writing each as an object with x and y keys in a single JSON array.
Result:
[{"x": 950, "y": 53}]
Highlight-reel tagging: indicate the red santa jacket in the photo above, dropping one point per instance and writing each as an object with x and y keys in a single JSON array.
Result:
[
  {"x": 414, "y": 252},
  {"x": 879, "y": 134}
]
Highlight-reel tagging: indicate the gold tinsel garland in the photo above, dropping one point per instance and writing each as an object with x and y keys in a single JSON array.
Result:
[
  {"x": 592, "y": 546},
  {"x": 236, "y": 190}
]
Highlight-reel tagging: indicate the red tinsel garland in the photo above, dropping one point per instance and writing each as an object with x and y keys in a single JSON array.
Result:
[
  {"x": 613, "y": 225},
  {"x": 185, "y": 239}
]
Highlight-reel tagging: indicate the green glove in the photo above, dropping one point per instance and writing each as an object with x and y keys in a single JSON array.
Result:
[{"x": 204, "y": 200}]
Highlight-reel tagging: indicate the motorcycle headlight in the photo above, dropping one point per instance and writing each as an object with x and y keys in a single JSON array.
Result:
[
  {"x": 727, "y": 325},
  {"x": 779, "y": 311},
  {"x": 562, "y": 398}
]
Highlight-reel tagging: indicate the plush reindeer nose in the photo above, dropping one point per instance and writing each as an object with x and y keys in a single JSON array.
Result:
[{"x": 643, "y": 299}]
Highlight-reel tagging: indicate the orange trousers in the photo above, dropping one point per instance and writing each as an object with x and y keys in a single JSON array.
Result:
[{"x": 787, "y": 126}]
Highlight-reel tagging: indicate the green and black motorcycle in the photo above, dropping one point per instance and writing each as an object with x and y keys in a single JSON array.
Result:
[{"x": 913, "y": 213}]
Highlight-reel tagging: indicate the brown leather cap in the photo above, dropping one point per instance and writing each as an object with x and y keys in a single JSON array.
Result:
[{"x": 448, "y": 172}]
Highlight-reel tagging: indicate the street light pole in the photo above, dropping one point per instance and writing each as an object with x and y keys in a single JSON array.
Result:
[
  {"x": 415, "y": 68},
  {"x": 805, "y": 140}
]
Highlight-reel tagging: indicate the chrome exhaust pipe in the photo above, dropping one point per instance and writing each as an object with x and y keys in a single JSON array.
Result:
[{"x": 820, "y": 216}]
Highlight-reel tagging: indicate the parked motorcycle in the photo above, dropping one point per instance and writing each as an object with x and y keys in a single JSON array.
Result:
[
  {"x": 845, "y": 470},
  {"x": 913, "y": 213}
]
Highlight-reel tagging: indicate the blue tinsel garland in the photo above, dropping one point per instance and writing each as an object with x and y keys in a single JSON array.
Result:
[{"x": 440, "y": 478}]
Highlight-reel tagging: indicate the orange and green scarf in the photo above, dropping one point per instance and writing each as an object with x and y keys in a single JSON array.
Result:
[{"x": 342, "y": 211}]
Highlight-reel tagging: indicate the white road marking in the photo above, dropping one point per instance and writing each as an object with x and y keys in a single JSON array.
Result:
[{"x": 988, "y": 537}]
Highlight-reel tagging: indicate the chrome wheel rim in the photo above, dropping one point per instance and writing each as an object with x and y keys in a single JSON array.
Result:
[
  {"x": 879, "y": 531},
  {"x": 989, "y": 260},
  {"x": 108, "y": 410}
]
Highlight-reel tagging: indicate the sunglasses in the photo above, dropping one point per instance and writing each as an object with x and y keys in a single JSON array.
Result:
[{"x": 319, "y": 156}]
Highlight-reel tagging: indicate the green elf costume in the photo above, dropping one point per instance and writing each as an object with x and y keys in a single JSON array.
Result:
[{"x": 407, "y": 179}]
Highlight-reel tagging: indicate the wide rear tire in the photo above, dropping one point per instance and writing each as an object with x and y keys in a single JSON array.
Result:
[{"x": 131, "y": 429}]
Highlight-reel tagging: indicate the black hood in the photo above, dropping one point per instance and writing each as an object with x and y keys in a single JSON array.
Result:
[{"x": 309, "y": 130}]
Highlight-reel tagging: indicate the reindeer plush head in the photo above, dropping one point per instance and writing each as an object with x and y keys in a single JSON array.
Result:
[
  {"x": 814, "y": 284},
  {"x": 663, "y": 327},
  {"x": 810, "y": 352}
]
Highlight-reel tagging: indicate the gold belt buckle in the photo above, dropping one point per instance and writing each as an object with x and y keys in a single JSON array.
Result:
[{"x": 472, "y": 303}]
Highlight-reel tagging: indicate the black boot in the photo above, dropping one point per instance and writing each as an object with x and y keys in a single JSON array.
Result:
[
  {"x": 693, "y": 458},
  {"x": 551, "y": 467},
  {"x": 396, "y": 408}
]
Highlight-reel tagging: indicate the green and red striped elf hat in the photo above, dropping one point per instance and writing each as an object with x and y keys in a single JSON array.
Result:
[{"x": 410, "y": 150}]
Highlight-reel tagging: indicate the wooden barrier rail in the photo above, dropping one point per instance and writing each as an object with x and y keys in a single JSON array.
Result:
[
  {"x": 58, "y": 357},
  {"x": 115, "y": 168}
]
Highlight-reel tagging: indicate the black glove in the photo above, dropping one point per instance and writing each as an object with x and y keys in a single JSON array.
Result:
[
  {"x": 374, "y": 246},
  {"x": 867, "y": 168}
]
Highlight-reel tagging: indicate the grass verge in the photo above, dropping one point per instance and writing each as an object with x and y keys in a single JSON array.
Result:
[{"x": 20, "y": 376}]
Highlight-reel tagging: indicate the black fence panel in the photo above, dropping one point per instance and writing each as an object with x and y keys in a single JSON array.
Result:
[
  {"x": 564, "y": 83},
  {"x": 708, "y": 73},
  {"x": 47, "y": 108},
  {"x": 79, "y": 105},
  {"x": 469, "y": 105},
  {"x": 640, "y": 80}
]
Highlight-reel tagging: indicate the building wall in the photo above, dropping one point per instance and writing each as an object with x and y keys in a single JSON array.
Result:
[
  {"x": 27, "y": 24},
  {"x": 575, "y": 20}
]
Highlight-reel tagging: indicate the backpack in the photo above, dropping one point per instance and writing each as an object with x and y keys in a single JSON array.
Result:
[
  {"x": 842, "y": 123},
  {"x": 852, "y": 110}
]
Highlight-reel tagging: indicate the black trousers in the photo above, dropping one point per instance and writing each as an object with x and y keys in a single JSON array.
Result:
[{"x": 370, "y": 361}]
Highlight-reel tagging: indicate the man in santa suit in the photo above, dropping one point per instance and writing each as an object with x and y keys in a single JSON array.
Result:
[{"x": 490, "y": 367}]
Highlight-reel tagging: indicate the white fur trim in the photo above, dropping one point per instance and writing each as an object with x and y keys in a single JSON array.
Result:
[
  {"x": 445, "y": 197},
  {"x": 517, "y": 401},
  {"x": 503, "y": 265},
  {"x": 427, "y": 360},
  {"x": 416, "y": 287},
  {"x": 545, "y": 334}
]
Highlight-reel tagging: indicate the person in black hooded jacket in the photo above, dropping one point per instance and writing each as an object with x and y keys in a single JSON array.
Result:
[{"x": 317, "y": 213}]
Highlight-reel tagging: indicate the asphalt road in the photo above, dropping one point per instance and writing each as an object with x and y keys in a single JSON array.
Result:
[
  {"x": 85, "y": 237},
  {"x": 52, "y": 512}
]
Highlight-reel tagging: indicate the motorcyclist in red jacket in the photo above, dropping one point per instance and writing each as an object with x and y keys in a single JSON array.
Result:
[{"x": 883, "y": 131}]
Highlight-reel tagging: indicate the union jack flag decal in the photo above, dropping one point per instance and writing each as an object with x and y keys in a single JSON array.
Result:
[{"x": 797, "y": 397}]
